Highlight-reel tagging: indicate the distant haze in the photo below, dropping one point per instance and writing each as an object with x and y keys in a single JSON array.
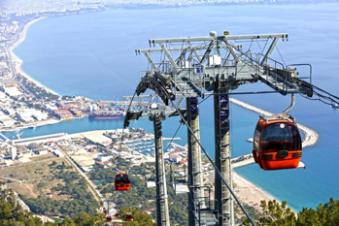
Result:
[{"x": 25, "y": 7}]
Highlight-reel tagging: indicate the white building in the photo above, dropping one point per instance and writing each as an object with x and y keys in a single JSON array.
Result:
[
  {"x": 58, "y": 153},
  {"x": 13, "y": 91},
  {"x": 6, "y": 121}
]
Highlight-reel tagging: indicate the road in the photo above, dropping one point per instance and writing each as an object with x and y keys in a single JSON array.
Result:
[{"x": 96, "y": 193}]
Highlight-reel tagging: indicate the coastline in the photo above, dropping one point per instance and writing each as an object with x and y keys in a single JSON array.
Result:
[
  {"x": 35, "y": 124},
  {"x": 39, "y": 124},
  {"x": 18, "y": 61},
  {"x": 250, "y": 193}
]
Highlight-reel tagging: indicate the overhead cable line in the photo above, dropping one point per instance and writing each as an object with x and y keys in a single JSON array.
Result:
[
  {"x": 324, "y": 97},
  {"x": 172, "y": 138}
]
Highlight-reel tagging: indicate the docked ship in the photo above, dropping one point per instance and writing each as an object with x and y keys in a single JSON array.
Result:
[{"x": 106, "y": 115}]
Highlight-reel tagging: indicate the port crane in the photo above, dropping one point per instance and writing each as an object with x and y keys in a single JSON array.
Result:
[{"x": 193, "y": 68}]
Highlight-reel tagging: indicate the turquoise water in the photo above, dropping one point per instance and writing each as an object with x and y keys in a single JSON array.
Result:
[{"x": 93, "y": 55}]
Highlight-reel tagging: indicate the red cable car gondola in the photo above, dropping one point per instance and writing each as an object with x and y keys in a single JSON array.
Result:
[
  {"x": 122, "y": 182},
  {"x": 277, "y": 143}
]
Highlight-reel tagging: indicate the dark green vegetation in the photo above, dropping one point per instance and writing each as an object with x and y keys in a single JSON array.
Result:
[
  {"x": 75, "y": 197},
  {"x": 278, "y": 214},
  {"x": 139, "y": 218},
  {"x": 140, "y": 196},
  {"x": 12, "y": 214}
]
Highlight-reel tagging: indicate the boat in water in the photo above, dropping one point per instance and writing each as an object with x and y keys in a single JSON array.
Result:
[{"x": 106, "y": 115}]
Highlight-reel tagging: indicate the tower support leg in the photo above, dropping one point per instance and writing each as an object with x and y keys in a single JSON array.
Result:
[
  {"x": 161, "y": 189},
  {"x": 223, "y": 199},
  {"x": 195, "y": 177}
]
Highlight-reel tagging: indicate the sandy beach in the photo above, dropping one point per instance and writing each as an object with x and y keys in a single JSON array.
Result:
[
  {"x": 250, "y": 193},
  {"x": 246, "y": 191},
  {"x": 18, "y": 62}
]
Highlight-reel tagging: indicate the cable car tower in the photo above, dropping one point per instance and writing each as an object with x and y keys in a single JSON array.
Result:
[
  {"x": 195, "y": 67},
  {"x": 151, "y": 107}
]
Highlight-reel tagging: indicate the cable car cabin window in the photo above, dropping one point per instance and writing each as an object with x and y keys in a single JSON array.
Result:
[
  {"x": 256, "y": 139},
  {"x": 125, "y": 179},
  {"x": 122, "y": 178},
  {"x": 280, "y": 136}
]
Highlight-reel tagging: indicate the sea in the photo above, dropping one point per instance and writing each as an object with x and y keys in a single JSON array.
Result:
[{"x": 92, "y": 54}]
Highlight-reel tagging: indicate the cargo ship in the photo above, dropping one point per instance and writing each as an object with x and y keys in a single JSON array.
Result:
[{"x": 106, "y": 115}]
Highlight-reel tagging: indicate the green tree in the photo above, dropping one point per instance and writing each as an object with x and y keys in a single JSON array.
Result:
[
  {"x": 308, "y": 217},
  {"x": 84, "y": 219},
  {"x": 11, "y": 213},
  {"x": 276, "y": 214},
  {"x": 67, "y": 222},
  {"x": 140, "y": 218},
  {"x": 324, "y": 215}
]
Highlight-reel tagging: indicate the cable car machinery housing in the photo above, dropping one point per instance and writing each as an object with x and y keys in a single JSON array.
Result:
[{"x": 196, "y": 67}]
